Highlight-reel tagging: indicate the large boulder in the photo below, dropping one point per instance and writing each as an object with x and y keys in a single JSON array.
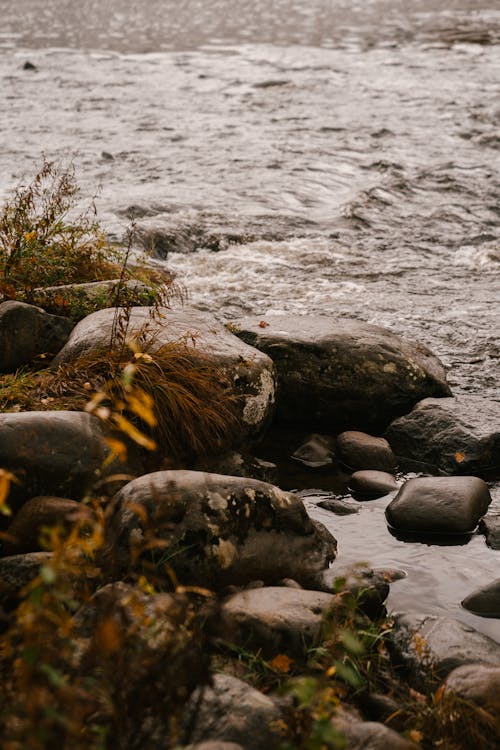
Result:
[
  {"x": 485, "y": 601},
  {"x": 430, "y": 647},
  {"x": 456, "y": 435},
  {"x": 219, "y": 530},
  {"x": 54, "y": 453},
  {"x": 343, "y": 374},
  {"x": 439, "y": 505},
  {"x": 277, "y": 619},
  {"x": 27, "y": 332},
  {"x": 476, "y": 683},
  {"x": 249, "y": 372}
]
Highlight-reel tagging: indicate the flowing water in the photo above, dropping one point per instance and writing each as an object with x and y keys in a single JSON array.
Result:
[{"x": 329, "y": 156}]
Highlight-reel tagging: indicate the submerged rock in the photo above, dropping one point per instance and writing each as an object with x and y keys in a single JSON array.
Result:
[
  {"x": 439, "y": 505},
  {"x": 27, "y": 332},
  {"x": 249, "y": 373},
  {"x": 338, "y": 506},
  {"x": 220, "y": 530},
  {"x": 358, "y": 451},
  {"x": 316, "y": 452},
  {"x": 372, "y": 484},
  {"x": 430, "y": 647},
  {"x": 458, "y": 435},
  {"x": 485, "y": 601},
  {"x": 343, "y": 374}
]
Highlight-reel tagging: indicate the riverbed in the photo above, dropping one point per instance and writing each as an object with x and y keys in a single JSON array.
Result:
[{"x": 345, "y": 155}]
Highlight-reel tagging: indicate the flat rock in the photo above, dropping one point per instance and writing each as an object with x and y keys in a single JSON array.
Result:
[
  {"x": 232, "y": 711},
  {"x": 277, "y": 619},
  {"x": 338, "y": 506},
  {"x": 485, "y": 601},
  {"x": 372, "y": 484},
  {"x": 220, "y": 530},
  {"x": 439, "y": 505},
  {"x": 458, "y": 435},
  {"x": 249, "y": 373},
  {"x": 343, "y": 374},
  {"x": 27, "y": 332},
  {"x": 358, "y": 451},
  {"x": 429, "y": 646},
  {"x": 476, "y": 683}
]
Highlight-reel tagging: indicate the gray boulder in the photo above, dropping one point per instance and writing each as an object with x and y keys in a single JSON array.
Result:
[
  {"x": 485, "y": 601},
  {"x": 371, "y": 735},
  {"x": 277, "y": 619},
  {"x": 358, "y": 451},
  {"x": 343, "y": 374},
  {"x": 476, "y": 683},
  {"x": 55, "y": 453},
  {"x": 372, "y": 484},
  {"x": 249, "y": 372},
  {"x": 219, "y": 530},
  {"x": 455, "y": 435},
  {"x": 27, "y": 332},
  {"x": 430, "y": 647},
  {"x": 439, "y": 505},
  {"x": 232, "y": 711}
]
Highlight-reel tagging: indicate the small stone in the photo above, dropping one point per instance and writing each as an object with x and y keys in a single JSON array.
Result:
[
  {"x": 372, "y": 484},
  {"x": 439, "y": 505},
  {"x": 357, "y": 450},
  {"x": 316, "y": 452},
  {"x": 338, "y": 506},
  {"x": 485, "y": 601},
  {"x": 29, "y": 66}
]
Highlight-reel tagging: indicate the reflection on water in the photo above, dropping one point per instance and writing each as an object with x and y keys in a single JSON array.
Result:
[{"x": 342, "y": 157}]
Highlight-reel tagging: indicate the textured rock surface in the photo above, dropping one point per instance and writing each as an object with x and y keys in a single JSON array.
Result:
[
  {"x": 439, "y": 505},
  {"x": 316, "y": 452},
  {"x": 249, "y": 372},
  {"x": 17, "y": 571},
  {"x": 277, "y": 619},
  {"x": 428, "y": 645},
  {"x": 484, "y": 601},
  {"x": 26, "y": 332},
  {"x": 476, "y": 683},
  {"x": 221, "y": 530},
  {"x": 54, "y": 453},
  {"x": 457, "y": 435},
  {"x": 490, "y": 527},
  {"x": 343, "y": 374},
  {"x": 24, "y": 532},
  {"x": 370, "y": 735},
  {"x": 232, "y": 711},
  {"x": 358, "y": 451}
]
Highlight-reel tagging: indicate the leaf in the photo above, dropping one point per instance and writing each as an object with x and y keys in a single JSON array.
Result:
[
  {"x": 263, "y": 324},
  {"x": 142, "y": 404},
  {"x": 118, "y": 449},
  {"x": 108, "y": 637},
  {"x": 133, "y": 433},
  {"x": 281, "y": 663},
  {"x": 459, "y": 457},
  {"x": 415, "y": 736},
  {"x": 6, "y": 478}
]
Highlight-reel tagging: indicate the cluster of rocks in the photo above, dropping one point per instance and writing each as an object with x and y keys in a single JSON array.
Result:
[{"x": 246, "y": 539}]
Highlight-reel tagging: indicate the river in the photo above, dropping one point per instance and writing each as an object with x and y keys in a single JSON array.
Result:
[{"x": 346, "y": 156}]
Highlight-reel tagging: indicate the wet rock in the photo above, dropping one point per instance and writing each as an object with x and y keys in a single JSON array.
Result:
[
  {"x": 372, "y": 484},
  {"x": 357, "y": 451},
  {"x": 24, "y": 532},
  {"x": 430, "y": 647},
  {"x": 476, "y": 683},
  {"x": 370, "y": 735},
  {"x": 485, "y": 601},
  {"x": 490, "y": 527},
  {"x": 248, "y": 372},
  {"x": 343, "y": 374},
  {"x": 220, "y": 530},
  {"x": 316, "y": 452},
  {"x": 368, "y": 588},
  {"x": 338, "y": 506},
  {"x": 17, "y": 571},
  {"x": 29, "y": 66},
  {"x": 439, "y": 505},
  {"x": 236, "y": 464},
  {"x": 27, "y": 332},
  {"x": 277, "y": 619},
  {"x": 232, "y": 711},
  {"x": 55, "y": 453},
  {"x": 456, "y": 435}
]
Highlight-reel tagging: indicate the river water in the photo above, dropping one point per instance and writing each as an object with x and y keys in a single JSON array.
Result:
[{"x": 345, "y": 155}]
